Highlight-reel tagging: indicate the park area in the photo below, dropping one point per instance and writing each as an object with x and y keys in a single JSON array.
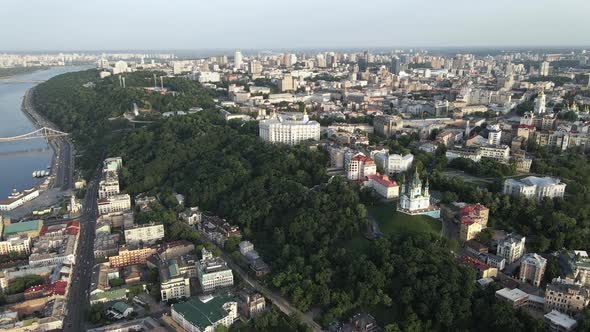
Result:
[{"x": 391, "y": 221}]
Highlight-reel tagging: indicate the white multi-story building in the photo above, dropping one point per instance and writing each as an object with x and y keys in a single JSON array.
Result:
[
  {"x": 534, "y": 187},
  {"x": 146, "y": 234},
  {"x": 205, "y": 313},
  {"x": 500, "y": 153},
  {"x": 540, "y": 103},
  {"x": 115, "y": 203},
  {"x": 238, "y": 59},
  {"x": 213, "y": 272},
  {"x": 173, "y": 283},
  {"x": 109, "y": 185},
  {"x": 120, "y": 67},
  {"x": 494, "y": 135},
  {"x": 207, "y": 77},
  {"x": 454, "y": 154},
  {"x": 279, "y": 129},
  {"x": 394, "y": 163},
  {"x": 511, "y": 248},
  {"x": 359, "y": 166},
  {"x": 16, "y": 244},
  {"x": 544, "y": 71}
]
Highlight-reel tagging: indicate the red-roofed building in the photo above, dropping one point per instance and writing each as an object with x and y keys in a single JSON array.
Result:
[
  {"x": 57, "y": 288},
  {"x": 73, "y": 227},
  {"x": 471, "y": 218},
  {"x": 359, "y": 167},
  {"x": 475, "y": 213},
  {"x": 483, "y": 269},
  {"x": 383, "y": 185},
  {"x": 63, "y": 228}
]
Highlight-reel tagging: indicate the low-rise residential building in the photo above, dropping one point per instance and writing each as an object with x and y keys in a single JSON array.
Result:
[
  {"x": 566, "y": 296},
  {"x": 515, "y": 297},
  {"x": 16, "y": 199},
  {"x": 204, "y": 314},
  {"x": 559, "y": 322},
  {"x": 144, "y": 234},
  {"x": 383, "y": 186},
  {"x": 191, "y": 216},
  {"x": 246, "y": 247},
  {"x": 495, "y": 261},
  {"x": 511, "y": 248},
  {"x": 483, "y": 270},
  {"x": 213, "y": 272},
  {"x": 534, "y": 187},
  {"x": 250, "y": 303},
  {"x": 120, "y": 310},
  {"x": 108, "y": 296},
  {"x": 116, "y": 203},
  {"x": 532, "y": 269}
]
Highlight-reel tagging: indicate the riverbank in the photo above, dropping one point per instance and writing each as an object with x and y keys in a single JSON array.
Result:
[
  {"x": 60, "y": 180},
  {"x": 9, "y": 72}
]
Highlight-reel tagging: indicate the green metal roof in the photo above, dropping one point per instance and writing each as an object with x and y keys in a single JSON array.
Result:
[
  {"x": 120, "y": 306},
  {"x": 20, "y": 227},
  {"x": 203, "y": 314}
]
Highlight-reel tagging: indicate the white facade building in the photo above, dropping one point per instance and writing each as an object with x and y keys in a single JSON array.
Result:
[
  {"x": 115, "y": 203},
  {"x": 394, "y": 163},
  {"x": 146, "y": 234},
  {"x": 289, "y": 131},
  {"x": 238, "y": 59},
  {"x": 540, "y": 103},
  {"x": 213, "y": 272},
  {"x": 534, "y": 187},
  {"x": 16, "y": 244},
  {"x": 500, "y": 153},
  {"x": 16, "y": 199},
  {"x": 511, "y": 248}
]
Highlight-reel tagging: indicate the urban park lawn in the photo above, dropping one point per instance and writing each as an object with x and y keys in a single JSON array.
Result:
[{"x": 393, "y": 222}]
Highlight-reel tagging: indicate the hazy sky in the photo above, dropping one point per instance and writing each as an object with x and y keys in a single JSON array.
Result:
[{"x": 267, "y": 24}]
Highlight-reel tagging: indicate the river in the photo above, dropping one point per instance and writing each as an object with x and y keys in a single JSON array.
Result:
[{"x": 19, "y": 159}]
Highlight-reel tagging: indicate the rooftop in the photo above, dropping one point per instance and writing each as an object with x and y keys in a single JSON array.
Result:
[
  {"x": 561, "y": 319},
  {"x": 20, "y": 227},
  {"x": 203, "y": 312},
  {"x": 512, "y": 294}
]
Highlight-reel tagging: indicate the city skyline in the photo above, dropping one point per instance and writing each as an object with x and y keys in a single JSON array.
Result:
[{"x": 255, "y": 25}]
